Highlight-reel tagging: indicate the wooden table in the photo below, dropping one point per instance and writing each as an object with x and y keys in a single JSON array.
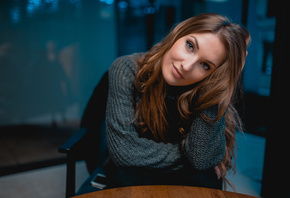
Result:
[{"x": 163, "y": 192}]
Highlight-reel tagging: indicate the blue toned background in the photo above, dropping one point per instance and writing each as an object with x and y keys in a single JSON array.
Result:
[{"x": 53, "y": 52}]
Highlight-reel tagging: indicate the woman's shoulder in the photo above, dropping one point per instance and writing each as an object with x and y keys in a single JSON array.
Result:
[
  {"x": 123, "y": 70},
  {"x": 126, "y": 64}
]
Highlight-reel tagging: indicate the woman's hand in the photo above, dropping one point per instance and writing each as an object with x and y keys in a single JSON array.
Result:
[{"x": 217, "y": 171}]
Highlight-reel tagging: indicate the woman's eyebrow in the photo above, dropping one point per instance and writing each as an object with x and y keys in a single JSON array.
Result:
[
  {"x": 211, "y": 63},
  {"x": 195, "y": 41}
]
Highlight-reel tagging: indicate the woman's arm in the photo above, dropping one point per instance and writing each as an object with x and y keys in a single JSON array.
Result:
[
  {"x": 126, "y": 148},
  {"x": 205, "y": 144}
]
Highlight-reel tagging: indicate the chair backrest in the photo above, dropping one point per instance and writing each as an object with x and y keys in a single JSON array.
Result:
[{"x": 93, "y": 120}]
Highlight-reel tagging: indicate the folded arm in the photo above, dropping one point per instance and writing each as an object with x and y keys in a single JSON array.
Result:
[
  {"x": 205, "y": 144},
  {"x": 125, "y": 146}
]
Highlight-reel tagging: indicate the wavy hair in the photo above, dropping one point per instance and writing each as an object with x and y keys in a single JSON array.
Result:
[{"x": 218, "y": 88}]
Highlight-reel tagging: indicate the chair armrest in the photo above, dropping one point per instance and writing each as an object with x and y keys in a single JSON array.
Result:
[
  {"x": 70, "y": 147},
  {"x": 72, "y": 143}
]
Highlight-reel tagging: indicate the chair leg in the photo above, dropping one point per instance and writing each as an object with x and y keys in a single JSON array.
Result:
[{"x": 70, "y": 177}]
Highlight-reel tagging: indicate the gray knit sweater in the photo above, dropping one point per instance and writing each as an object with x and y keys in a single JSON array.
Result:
[{"x": 204, "y": 146}]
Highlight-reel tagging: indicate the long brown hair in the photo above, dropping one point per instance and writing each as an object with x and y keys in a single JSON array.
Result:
[{"x": 218, "y": 88}]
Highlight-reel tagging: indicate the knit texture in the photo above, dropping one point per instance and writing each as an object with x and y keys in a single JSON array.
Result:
[{"x": 204, "y": 146}]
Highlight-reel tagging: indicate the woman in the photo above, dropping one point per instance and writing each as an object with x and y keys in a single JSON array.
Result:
[{"x": 170, "y": 115}]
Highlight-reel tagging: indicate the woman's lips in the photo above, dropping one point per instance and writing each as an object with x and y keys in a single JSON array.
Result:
[{"x": 177, "y": 73}]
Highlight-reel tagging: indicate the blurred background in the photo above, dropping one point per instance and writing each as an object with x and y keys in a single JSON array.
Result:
[{"x": 54, "y": 52}]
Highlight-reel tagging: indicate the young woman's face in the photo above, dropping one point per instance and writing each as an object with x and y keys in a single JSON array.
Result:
[{"x": 192, "y": 58}]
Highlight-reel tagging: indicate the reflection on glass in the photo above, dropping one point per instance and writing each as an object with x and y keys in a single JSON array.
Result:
[{"x": 52, "y": 54}]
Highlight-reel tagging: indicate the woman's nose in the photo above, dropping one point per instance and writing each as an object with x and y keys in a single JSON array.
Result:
[{"x": 188, "y": 63}]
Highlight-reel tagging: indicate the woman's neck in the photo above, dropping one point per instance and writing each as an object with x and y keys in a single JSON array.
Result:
[{"x": 178, "y": 90}]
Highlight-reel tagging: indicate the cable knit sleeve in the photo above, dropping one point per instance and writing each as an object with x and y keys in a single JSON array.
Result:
[
  {"x": 205, "y": 144},
  {"x": 125, "y": 147}
]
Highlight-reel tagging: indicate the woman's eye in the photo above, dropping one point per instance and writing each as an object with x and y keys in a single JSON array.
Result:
[
  {"x": 189, "y": 45},
  {"x": 205, "y": 66}
]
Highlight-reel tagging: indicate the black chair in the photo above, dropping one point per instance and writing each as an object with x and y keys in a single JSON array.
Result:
[{"x": 89, "y": 142}]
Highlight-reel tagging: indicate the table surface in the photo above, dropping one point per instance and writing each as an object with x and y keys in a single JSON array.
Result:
[{"x": 162, "y": 191}]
